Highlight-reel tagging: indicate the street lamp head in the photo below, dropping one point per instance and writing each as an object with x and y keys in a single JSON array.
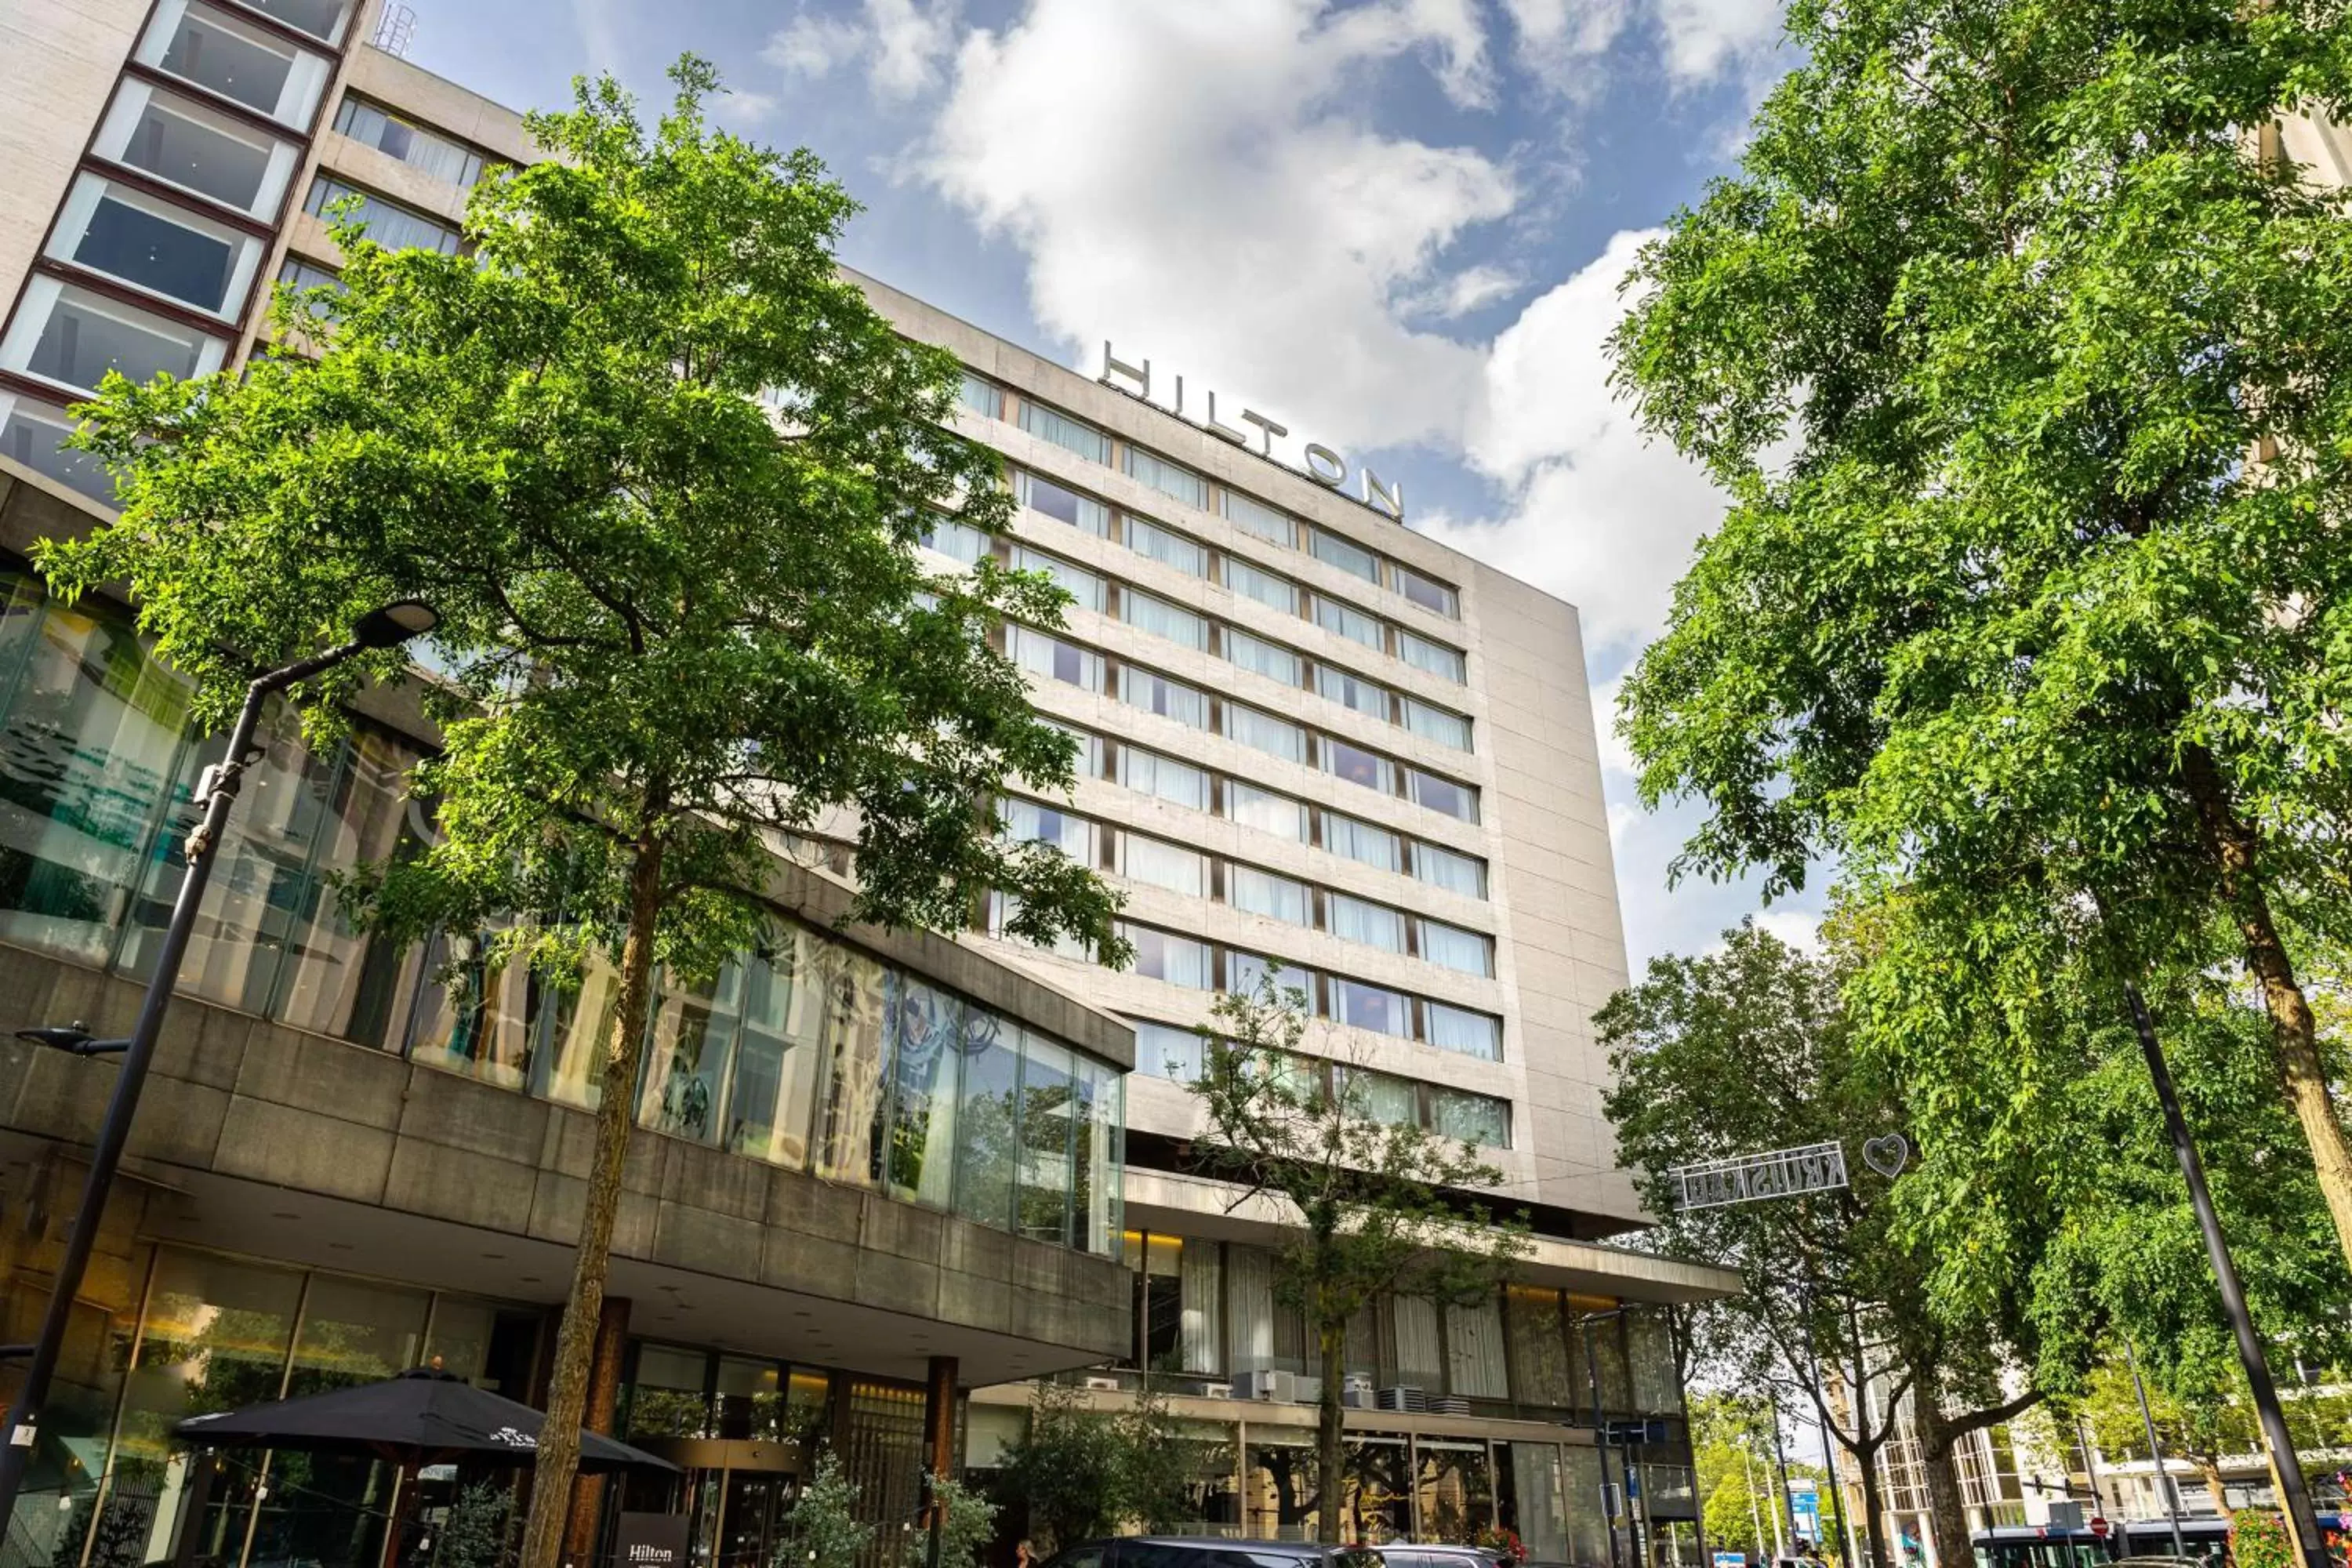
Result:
[
  {"x": 58, "y": 1036},
  {"x": 395, "y": 624}
]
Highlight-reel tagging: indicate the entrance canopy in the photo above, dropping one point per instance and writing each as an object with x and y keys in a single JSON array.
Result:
[{"x": 422, "y": 1416}]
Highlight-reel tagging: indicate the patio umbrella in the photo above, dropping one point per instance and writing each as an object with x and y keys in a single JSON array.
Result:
[{"x": 422, "y": 1416}]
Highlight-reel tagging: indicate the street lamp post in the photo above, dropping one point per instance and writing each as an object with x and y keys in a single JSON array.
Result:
[
  {"x": 2294, "y": 1498},
  {"x": 216, "y": 791},
  {"x": 2156, "y": 1450}
]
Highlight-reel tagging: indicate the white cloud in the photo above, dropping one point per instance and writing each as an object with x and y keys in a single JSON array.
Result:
[
  {"x": 902, "y": 43},
  {"x": 1562, "y": 41},
  {"x": 1200, "y": 182},
  {"x": 1471, "y": 288},
  {"x": 1703, "y": 38}
]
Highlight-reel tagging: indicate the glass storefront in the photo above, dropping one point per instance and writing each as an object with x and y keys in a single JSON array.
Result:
[{"x": 804, "y": 1052}]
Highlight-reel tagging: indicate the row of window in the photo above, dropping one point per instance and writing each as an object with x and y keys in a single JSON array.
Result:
[
  {"x": 805, "y": 1053},
  {"x": 1177, "y": 869},
  {"x": 1195, "y": 965},
  {"x": 1171, "y": 548},
  {"x": 1277, "y": 661},
  {"x": 1053, "y": 657},
  {"x": 1169, "y": 1051},
  {"x": 1236, "y": 800},
  {"x": 1182, "y": 484},
  {"x": 389, "y": 224}
]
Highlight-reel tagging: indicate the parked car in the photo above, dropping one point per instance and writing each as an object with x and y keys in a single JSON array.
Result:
[
  {"x": 1219, "y": 1552},
  {"x": 1440, "y": 1554}
]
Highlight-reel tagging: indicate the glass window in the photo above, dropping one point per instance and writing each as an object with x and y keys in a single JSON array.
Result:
[
  {"x": 429, "y": 154},
  {"x": 1178, "y": 961},
  {"x": 323, "y": 19},
  {"x": 1354, "y": 764},
  {"x": 1245, "y": 971},
  {"x": 1095, "y": 1196},
  {"x": 1162, "y": 865},
  {"x": 1453, "y": 948},
  {"x": 683, "y": 1079},
  {"x": 1359, "y": 841},
  {"x": 1149, "y": 773},
  {"x": 1437, "y": 724},
  {"x": 1428, "y": 593},
  {"x": 1352, "y": 918},
  {"x": 390, "y": 225},
  {"x": 1540, "y": 1370},
  {"x": 1348, "y": 621},
  {"x": 1270, "y": 659},
  {"x": 1474, "y": 1362},
  {"x": 983, "y": 397},
  {"x": 1265, "y": 732},
  {"x": 1170, "y": 698},
  {"x": 1650, "y": 1344},
  {"x": 747, "y": 1399},
  {"x": 1065, "y": 432},
  {"x": 1264, "y": 893},
  {"x": 1163, "y": 1050},
  {"x": 1266, "y": 811},
  {"x": 1374, "y": 1007},
  {"x": 35, "y": 436},
  {"x": 1048, "y": 1137},
  {"x": 1250, "y": 582},
  {"x": 1433, "y": 656},
  {"x": 240, "y": 63},
  {"x": 1077, "y": 581},
  {"x": 1168, "y": 479},
  {"x": 842, "y": 1147},
  {"x": 1253, "y": 516},
  {"x": 179, "y": 141},
  {"x": 1351, "y": 690},
  {"x": 1054, "y": 659},
  {"x": 155, "y": 245},
  {"x": 1473, "y": 1118},
  {"x": 1459, "y": 1029},
  {"x": 1043, "y": 495},
  {"x": 774, "y": 1092},
  {"x": 669, "y": 1396},
  {"x": 82, "y": 336},
  {"x": 1345, "y": 554},
  {"x": 1148, "y": 613},
  {"x": 988, "y": 1119},
  {"x": 295, "y": 272},
  {"x": 1446, "y": 869},
  {"x": 957, "y": 541},
  {"x": 1150, "y": 540},
  {"x": 1456, "y": 800},
  {"x": 569, "y": 1068},
  {"x": 1381, "y": 1097},
  {"x": 1089, "y": 761}
]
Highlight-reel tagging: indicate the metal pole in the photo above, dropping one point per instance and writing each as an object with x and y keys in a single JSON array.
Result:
[
  {"x": 2293, "y": 1495},
  {"x": 114, "y": 1133},
  {"x": 1829, "y": 1450},
  {"x": 1754, "y": 1515},
  {"x": 2156, "y": 1451},
  {"x": 1781, "y": 1453},
  {"x": 1601, "y": 1442}
]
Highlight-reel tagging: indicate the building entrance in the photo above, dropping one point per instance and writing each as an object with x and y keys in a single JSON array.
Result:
[{"x": 735, "y": 1493}]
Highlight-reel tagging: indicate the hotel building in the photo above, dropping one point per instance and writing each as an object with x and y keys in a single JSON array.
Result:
[{"x": 1314, "y": 744}]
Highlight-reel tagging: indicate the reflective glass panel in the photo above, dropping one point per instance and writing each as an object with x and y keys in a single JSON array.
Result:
[
  {"x": 1374, "y": 1007},
  {"x": 925, "y": 1026},
  {"x": 136, "y": 240},
  {"x": 683, "y": 1078},
  {"x": 843, "y": 1148},
  {"x": 1043, "y": 495},
  {"x": 989, "y": 1121},
  {"x": 1048, "y": 1137},
  {"x": 774, "y": 1093}
]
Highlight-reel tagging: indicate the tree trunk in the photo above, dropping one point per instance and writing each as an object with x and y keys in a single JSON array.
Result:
[
  {"x": 2209, "y": 1470},
  {"x": 575, "y": 1340},
  {"x": 1948, "y": 1512},
  {"x": 1874, "y": 1513},
  {"x": 2302, "y": 1078},
  {"x": 1331, "y": 1415}
]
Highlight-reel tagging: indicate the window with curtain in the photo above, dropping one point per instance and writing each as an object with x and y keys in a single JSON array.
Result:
[
  {"x": 1264, "y": 893},
  {"x": 957, "y": 541},
  {"x": 1450, "y": 870},
  {"x": 1459, "y": 1029},
  {"x": 1345, "y": 554},
  {"x": 1155, "y": 693},
  {"x": 1374, "y": 1007},
  {"x": 1163, "y": 955},
  {"x": 1437, "y": 724},
  {"x": 1539, "y": 1347},
  {"x": 1072, "y": 834},
  {"x": 1065, "y": 432},
  {"x": 1429, "y": 592},
  {"x": 1246, "y": 970},
  {"x": 1354, "y": 764},
  {"x": 1255, "y": 517},
  {"x": 1201, "y": 1281},
  {"x": 1254, "y": 653},
  {"x": 1256, "y": 583},
  {"x": 390, "y": 225},
  {"x": 1063, "y": 505},
  {"x": 1351, "y": 918},
  {"x": 1442, "y": 795},
  {"x": 1249, "y": 1308},
  {"x": 1150, "y": 540},
  {"x": 1420, "y": 1346},
  {"x": 1168, "y": 479},
  {"x": 1265, "y": 810},
  {"x": 1451, "y": 947},
  {"x": 1352, "y": 690},
  {"x": 1360, "y": 841},
  {"x": 1160, "y": 864},
  {"x": 1474, "y": 1366},
  {"x": 1434, "y": 658},
  {"x": 1081, "y": 584},
  {"x": 1477, "y": 1119},
  {"x": 1051, "y": 658},
  {"x": 1657, "y": 1385},
  {"x": 1164, "y": 1050},
  {"x": 435, "y": 156},
  {"x": 984, "y": 398},
  {"x": 1348, "y": 621},
  {"x": 1148, "y": 612},
  {"x": 1265, "y": 732},
  {"x": 1150, "y": 773},
  {"x": 1381, "y": 1097}
]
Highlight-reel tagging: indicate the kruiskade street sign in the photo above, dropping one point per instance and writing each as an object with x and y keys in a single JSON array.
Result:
[{"x": 1781, "y": 1173}]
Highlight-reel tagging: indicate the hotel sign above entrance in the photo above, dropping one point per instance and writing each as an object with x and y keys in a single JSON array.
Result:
[{"x": 1318, "y": 462}]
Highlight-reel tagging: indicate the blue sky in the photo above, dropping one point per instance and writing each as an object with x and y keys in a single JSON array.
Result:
[{"x": 1397, "y": 224}]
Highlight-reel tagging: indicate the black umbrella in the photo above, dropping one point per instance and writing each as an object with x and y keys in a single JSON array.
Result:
[{"x": 423, "y": 1416}]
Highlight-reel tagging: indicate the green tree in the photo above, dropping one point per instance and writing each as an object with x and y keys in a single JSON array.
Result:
[
  {"x": 1979, "y": 340},
  {"x": 823, "y": 1529},
  {"x": 967, "y": 1523},
  {"x": 1380, "y": 1208},
  {"x": 1751, "y": 1048},
  {"x": 1732, "y": 1451},
  {"x": 664, "y": 472},
  {"x": 1078, "y": 1473},
  {"x": 474, "y": 1533}
]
